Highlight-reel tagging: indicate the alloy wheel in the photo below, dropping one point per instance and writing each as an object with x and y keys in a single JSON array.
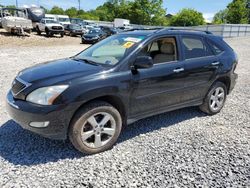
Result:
[
  {"x": 98, "y": 130},
  {"x": 217, "y": 99}
]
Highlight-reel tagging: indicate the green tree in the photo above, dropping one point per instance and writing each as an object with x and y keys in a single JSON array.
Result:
[
  {"x": 237, "y": 12},
  {"x": 56, "y": 10},
  {"x": 220, "y": 17},
  {"x": 71, "y": 12},
  {"x": 187, "y": 17}
]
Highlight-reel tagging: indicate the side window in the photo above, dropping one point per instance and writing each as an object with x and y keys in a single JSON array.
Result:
[
  {"x": 163, "y": 50},
  {"x": 216, "y": 49},
  {"x": 194, "y": 48}
]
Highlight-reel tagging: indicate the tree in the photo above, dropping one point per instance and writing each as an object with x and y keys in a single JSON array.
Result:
[
  {"x": 71, "y": 12},
  {"x": 56, "y": 10},
  {"x": 220, "y": 17},
  {"x": 187, "y": 17},
  {"x": 237, "y": 12}
]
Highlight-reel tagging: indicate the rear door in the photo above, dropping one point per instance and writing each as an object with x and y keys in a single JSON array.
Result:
[{"x": 200, "y": 64}]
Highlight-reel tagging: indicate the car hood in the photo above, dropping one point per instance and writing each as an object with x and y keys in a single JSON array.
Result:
[{"x": 59, "y": 70}]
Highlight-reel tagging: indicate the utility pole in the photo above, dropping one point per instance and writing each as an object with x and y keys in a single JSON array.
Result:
[
  {"x": 79, "y": 2},
  {"x": 16, "y": 3}
]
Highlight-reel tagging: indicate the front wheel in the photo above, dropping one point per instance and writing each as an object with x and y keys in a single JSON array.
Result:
[
  {"x": 95, "y": 128},
  {"x": 215, "y": 99},
  {"x": 62, "y": 35}
]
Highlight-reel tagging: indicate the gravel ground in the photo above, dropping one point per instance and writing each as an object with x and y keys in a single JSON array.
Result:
[
  {"x": 31, "y": 40},
  {"x": 184, "y": 148}
]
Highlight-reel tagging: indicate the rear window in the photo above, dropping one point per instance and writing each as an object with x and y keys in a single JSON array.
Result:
[
  {"x": 194, "y": 47},
  {"x": 216, "y": 49}
]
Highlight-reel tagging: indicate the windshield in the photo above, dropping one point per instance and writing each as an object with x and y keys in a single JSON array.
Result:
[
  {"x": 51, "y": 21},
  {"x": 75, "y": 27},
  {"x": 94, "y": 31},
  {"x": 111, "y": 50},
  {"x": 64, "y": 20}
]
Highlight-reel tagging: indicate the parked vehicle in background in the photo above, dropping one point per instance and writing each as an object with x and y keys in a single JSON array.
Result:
[
  {"x": 35, "y": 14},
  {"x": 50, "y": 27},
  {"x": 73, "y": 30},
  {"x": 50, "y": 16},
  {"x": 93, "y": 36},
  {"x": 77, "y": 21},
  {"x": 16, "y": 20},
  {"x": 63, "y": 19},
  {"x": 118, "y": 22},
  {"x": 86, "y": 28},
  {"x": 122, "y": 79},
  {"x": 109, "y": 30}
]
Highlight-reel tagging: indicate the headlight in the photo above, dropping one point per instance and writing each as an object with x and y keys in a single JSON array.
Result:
[
  {"x": 46, "y": 95},
  {"x": 95, "y": 37}
]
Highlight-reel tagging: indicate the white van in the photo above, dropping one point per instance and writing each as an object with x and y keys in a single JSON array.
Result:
[{"x": 63, "y": 19}]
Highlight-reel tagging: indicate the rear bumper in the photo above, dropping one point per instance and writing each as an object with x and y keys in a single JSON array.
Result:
[
  {"x": 234, "y": 78},
  {"x": 24, "y": 113}
]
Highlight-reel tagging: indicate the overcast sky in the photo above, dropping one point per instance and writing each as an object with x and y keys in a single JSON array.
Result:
[{"x": 207, "y": 7}]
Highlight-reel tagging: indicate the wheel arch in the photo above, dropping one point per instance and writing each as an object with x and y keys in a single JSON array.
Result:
[
  {"x": 115, "y": 101},
  {"x": 225, "y": 80}
]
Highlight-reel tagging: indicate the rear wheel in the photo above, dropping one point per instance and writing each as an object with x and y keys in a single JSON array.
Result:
[
  {"x": 215, "y": 99},
  {"x": 95, "y": 128}
]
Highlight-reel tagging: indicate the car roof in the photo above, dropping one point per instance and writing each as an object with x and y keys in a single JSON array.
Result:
[{"x": 149, "y": 32}]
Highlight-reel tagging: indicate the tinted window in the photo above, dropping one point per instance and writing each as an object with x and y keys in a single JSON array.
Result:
[
  {"x": 194, "y": 48},
  {"x": 216, "y": 49}
]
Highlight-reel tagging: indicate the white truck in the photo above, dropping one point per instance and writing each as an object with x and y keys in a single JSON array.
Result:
[
  {"x": 122, "y": 23},
  {"x": 63, "y": 19},
  {"x": 50, "y": 27},
  {"x": 15, "y": 20}
]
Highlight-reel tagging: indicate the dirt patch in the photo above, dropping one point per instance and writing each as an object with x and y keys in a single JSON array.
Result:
[{"x": 9, "y": 40}]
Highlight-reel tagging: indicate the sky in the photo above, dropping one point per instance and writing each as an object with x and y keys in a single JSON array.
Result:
[{"x": 207, "y": 7}]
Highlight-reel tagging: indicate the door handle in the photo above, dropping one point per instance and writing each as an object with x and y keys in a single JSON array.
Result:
[
  {"x": 215, "y": 63},
  {"x": 178, "y": 70}
]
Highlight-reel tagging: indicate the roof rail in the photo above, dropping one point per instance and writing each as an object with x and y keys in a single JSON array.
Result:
[
  {"x": 187, "y": 29},
  {"x": 147, "y": 29}
]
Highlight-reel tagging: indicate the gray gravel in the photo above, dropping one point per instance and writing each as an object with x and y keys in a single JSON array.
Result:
[{"x": 184, "y": 148}]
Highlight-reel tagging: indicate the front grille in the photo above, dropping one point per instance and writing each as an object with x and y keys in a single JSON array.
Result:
[
  {"x": 17, "y": 87},
  {"x": 57, "y": 27}
]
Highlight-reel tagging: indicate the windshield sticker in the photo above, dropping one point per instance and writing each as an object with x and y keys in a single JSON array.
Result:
[
  {"x": 128, "y": 44},
  {"x": 132, "y": 39}
]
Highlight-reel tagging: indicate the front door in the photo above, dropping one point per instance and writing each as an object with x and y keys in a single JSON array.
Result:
[{"x": 162, "y": 85}]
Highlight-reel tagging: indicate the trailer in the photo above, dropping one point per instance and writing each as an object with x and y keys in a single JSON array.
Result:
[{"x": 15, "y": 20}]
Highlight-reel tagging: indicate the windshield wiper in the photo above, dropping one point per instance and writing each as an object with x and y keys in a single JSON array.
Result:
[{"x": 87, "y": 61}]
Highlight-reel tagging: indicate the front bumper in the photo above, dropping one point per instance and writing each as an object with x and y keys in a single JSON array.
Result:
[
  {"x": 24, "y": 113},
  {"x": 89, "y": 41},
  {"x": 54, "y": 32}
]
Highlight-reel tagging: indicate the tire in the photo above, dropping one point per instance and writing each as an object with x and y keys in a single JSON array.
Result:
[
  {"x": 215, "y": 99},
  {"x": 47, "y": 32},
  {"x": 38, "y": 31},
  {"x": 62, "y": 35},
  {"x": 88, "y": 122}
]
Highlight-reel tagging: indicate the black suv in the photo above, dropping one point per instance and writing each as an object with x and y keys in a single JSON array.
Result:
[{"x": 124, "y": 78}]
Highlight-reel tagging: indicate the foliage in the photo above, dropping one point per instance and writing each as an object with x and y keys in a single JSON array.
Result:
[
  {"x": 71, "y": 12},
  {"x": 187, "y": 17},
  {"x": 57, "y": 10},
  {"x": 237, "y": 12},
  {"x": 220, "y": 17}
]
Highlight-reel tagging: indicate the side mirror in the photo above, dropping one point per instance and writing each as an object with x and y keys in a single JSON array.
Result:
[{"x": 143, "y": 62}]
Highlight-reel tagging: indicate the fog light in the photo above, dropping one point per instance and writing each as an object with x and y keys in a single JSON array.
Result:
[{"x": 39, "y": 124}]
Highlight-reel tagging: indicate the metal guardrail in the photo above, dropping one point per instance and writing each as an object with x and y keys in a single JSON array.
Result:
[
  {"x": 224, "y": 30},
  {"x": 227, "y": 30}
]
